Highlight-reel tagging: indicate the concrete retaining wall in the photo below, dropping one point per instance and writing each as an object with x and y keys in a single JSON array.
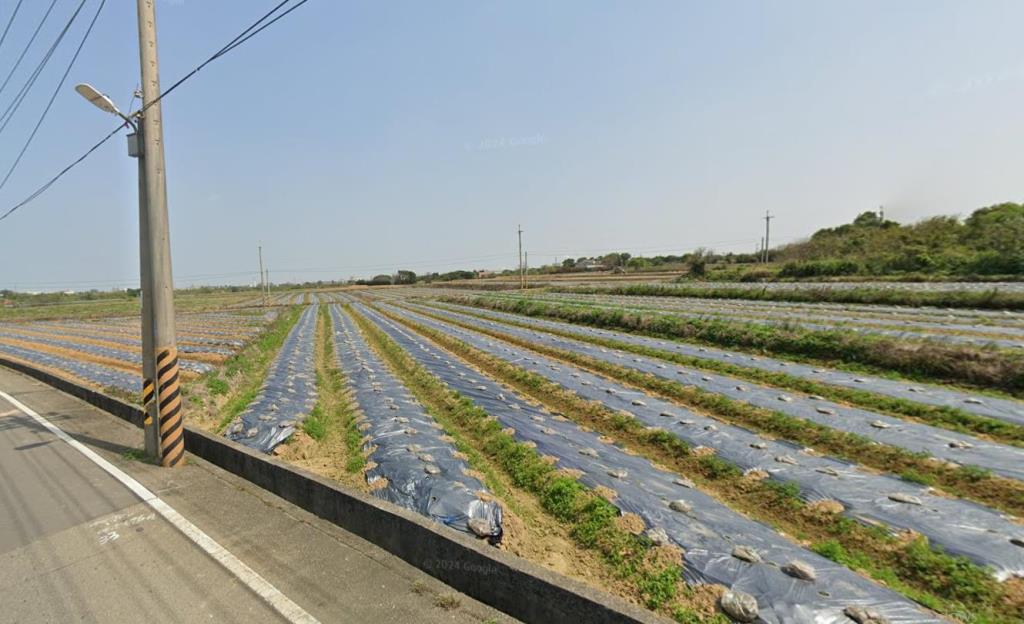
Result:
[{"x": 510, "y": 584}]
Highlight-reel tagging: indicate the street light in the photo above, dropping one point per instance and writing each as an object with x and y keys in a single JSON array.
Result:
[
  {"x": 163, "y": 424},
  {"x": 102, "y": 102}
]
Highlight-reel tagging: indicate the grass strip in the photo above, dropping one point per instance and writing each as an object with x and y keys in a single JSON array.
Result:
[
  {"x": 950, "y": 418},
  {"x": 990, "y": 299},
  {"x": 968, "y": 482},
  {"x": 247, "y": 369},
  {"x": 987, "y": 368},
  {"x": 592, "y": 520},
  {"x": 948, "y": 584},
  {"x": 332, "y": 422},
  {"x": 750, "y": 315}
]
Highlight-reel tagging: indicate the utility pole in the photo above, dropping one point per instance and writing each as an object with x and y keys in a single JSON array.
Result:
[
  {"x": 150, "y": 431},
  {"x": 267, "y": 281},
  {"x": 263, "y": 283},
  {"x": 526, "y": 265},
  {"x": 522, "y": 275},
  {"x": 165, "y": 409},
  {"x": 881, "y": 214},
  {"x": 767, "y": 220}
]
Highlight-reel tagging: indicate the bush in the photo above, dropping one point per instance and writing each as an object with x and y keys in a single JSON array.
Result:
[{"x": 821, "y": 268}]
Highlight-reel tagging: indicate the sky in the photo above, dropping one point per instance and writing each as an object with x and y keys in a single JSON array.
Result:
[{"x": 356, "y": 138}]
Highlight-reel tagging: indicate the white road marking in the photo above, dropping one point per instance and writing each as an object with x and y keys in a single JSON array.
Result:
[{"x": 270, "y": 594}]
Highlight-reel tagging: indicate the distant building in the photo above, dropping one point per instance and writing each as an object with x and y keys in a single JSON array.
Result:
[
  {"x": 483, "y": 273},
  {"x": 590, "y": 264}
]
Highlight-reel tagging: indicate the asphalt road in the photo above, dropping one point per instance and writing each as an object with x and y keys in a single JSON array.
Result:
[{"x": 77, "y": 545}]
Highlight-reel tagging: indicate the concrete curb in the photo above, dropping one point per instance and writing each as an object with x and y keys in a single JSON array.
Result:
[{"x": 512, "y": 585}]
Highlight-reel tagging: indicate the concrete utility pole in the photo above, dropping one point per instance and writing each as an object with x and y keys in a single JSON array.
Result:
[
  {"x": 526, "y": 265},
  {"x": 150, "y": 432},
  {"x": 165, "y": 410},
  {"x": 522, "y": 275},
  {"x": 267, "y": 281},
  {"x": 263, "y": 282},
  {"x": 767, "y": 220}
]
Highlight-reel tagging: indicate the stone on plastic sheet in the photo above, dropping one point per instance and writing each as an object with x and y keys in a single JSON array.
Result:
[
  {"x": 908, "y": 499},
  {"x": 863, "y": 615},
  {"x": 800, "y": 570},
  {"x": 658, "y": 536},
  {"x": 680, "y": 505},
  {"x": 746, "y": 553},
  {"x": 739, "y": 606}
]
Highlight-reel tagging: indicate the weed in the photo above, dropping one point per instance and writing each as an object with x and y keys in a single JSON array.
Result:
[
  {"x": 217, "y": 386},
  {"x": 447, "y": 601},
  {"x": 940, "y": 362},
  {"x": 851, "y": 543},
  {"x": 951, "y": 418},
  {"x": 591, "y": 519},
  {"x": 250, "y": 366},
  {"x": 419, "y": 587}
]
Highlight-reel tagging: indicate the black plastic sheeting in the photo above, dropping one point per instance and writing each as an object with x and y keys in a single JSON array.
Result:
[
  {"x": 288, "y": 393},
  {"x": 993, "y": 407},
  {"x": 946, "y": 445},
  {"x": 98, "y": 374},
  {"x": 408, "y": 449},
  {"x": 132, "y": 357},
  {"x": 959, "y": 527},
  {"x": 707, "y": 311},
  {"x": 707, "y": 533},
  {"x": 907, "y": 318},
  {"x": 122, "y": 336}
]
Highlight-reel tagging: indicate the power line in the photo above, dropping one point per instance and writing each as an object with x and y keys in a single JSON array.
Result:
[
  {"x": 244, "y": 36},
  {"x": 28, "y": 45},
  {"x": 3, "y": 37},
  {"x": 231, "y": 45},
  {"x": 53, "y": 97},
  {"x": 42, "y": 189},
  {"x": 8, "y": 114}
]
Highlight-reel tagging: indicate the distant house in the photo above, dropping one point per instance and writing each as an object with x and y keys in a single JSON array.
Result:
[
  {"x": 483, "y": 273},
  {"x": 590, "y": 264}
]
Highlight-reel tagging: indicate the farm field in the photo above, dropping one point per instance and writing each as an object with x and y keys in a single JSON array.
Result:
[
  {"x": 865, "y": 469},
  {"x": 1001, "y": 329},
  {"x": 106, "y": 353},
  {"x": 704, "y": 480},
  {"x": 809, "y": 487}
]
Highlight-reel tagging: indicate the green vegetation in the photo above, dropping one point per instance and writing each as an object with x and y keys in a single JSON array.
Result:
[
  {"x": 335, "y": 413},
  {"x": 993, "y": 299},
  {"x": 216, "y": 385},
  {"x": 946, "y": 417},
  {"x": 964, "y": 481},
  {"x": 989, "y": 242},
  {"x": 963, "y": 364},
  {"x": 947, "y": 583},
  {"x": 592, "y": 519},
  {"x": 97, "y": 304},
  {"x": 248, "y": 368}
]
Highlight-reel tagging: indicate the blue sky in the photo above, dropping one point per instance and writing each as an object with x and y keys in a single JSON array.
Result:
[{"x": 354, "y": 138}]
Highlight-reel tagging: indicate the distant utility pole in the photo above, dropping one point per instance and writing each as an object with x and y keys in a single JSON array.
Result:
[
  {"x": 767, "y": 221},
  {"x": 526, "y": 262},
  {"x": 165, "y": 409},
  {"x": 267, "y": 281},
  {"x": 522, "y": 274},
  {"x": 263, "y": 283},
  {"x": 881, "y": 213}
]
